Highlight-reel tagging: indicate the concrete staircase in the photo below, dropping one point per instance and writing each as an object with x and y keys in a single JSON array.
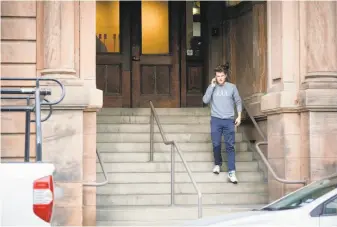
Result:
[{"x": 138, "y": 192}]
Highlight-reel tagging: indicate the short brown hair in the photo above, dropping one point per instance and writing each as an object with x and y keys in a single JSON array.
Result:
[{"x": 222, "y": 68}]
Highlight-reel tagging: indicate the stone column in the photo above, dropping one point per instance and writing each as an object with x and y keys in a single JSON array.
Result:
[
  {"x": 59, "y": 38},
  {"x": 319, "y": 87},
  {"x": 89, "y": 169},
  {"x": 69, "y": 139},
  {"x": 281, "y": 102},
  {"x": 63, "y": 132},
  {"x": 88, "y": 66}
]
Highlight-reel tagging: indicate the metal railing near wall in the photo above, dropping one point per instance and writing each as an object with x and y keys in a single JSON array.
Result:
[
  {"x": 38, "y": 94},
  {"x": 174, "y": 147},
  {"x": 98, "y": 184},
  {"x": 264, "y": 159}
]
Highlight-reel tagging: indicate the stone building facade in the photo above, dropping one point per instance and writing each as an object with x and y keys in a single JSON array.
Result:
[
  {"x": 54, "y": 39},
  {"x": 284, "y": 62}
]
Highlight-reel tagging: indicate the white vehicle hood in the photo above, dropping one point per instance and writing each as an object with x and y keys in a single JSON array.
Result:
[{"x": 249, "y": 218}]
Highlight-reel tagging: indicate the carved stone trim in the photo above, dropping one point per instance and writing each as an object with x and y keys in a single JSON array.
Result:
[
  {"x": 58, "y": 71},
  {"x": 319, "y": 75}
]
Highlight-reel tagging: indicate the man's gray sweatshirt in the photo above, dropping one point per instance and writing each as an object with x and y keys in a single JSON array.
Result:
[{"x": 222, "y": 99}]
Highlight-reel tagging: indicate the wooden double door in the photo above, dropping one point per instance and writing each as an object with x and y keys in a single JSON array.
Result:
[{"x": 138, "y": 53}]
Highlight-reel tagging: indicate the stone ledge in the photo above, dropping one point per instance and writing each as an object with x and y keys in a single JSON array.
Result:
[
  {"x": 58, "y": 71},
  {"x": 77, "y": 94},
  {"x": 77, "y": 97},
  {"x": 325, "y": 80},
  {"x": 318, "y": 93},
  {"x": 280, "y": 102},
  {"x": 315, "y": 94},
  {"x": 319, "y": 99},
  {"x": 253, "y": 103}
]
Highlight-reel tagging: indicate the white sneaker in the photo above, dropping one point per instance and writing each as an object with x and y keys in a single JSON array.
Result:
[
  {"x": 232, "y": 178},
  {"x": 216, "y": 169}
]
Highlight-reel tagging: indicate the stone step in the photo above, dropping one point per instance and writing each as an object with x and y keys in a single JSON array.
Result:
[
  {"x": 164, "y": 119},
  {"x": 160, "y": 111},
  {"x": 165, "y": 213},
  {"x": 181, "y": 188},
  {"x": 145, "y": 128},
  {"x": 161, "y": 147},
  {"x": 207, "y": 156},
  {"x": 138, "y": 192},
  {"x": 166, "y": 167},
  {"x": 182, "y": 199},
  {"x": 145, "y": 137},
  {"x": 138, "y": 177}
]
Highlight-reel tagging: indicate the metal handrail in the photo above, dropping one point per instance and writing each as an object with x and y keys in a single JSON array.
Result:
[
  {"x": 27, "y": 94},
  {"x": 98, "y": 184},
  {"x": 174, "y": 146},
  {"x": 264, "y": 159}
]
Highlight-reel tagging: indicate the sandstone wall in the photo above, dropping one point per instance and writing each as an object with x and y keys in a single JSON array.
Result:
[
  {"x": 18, "y": 59},
  {"x": 55, "y": 39},
  {"x": 302, "y": 82}
]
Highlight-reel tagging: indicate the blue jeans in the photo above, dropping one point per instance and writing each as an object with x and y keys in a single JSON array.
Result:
[{"x": 224, "y": 127}]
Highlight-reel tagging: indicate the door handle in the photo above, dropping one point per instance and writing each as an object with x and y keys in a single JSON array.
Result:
[{"x": 134, "y": 58}]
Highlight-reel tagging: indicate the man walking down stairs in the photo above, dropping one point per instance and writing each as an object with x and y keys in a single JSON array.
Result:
[{"x": 138, "y": 192}]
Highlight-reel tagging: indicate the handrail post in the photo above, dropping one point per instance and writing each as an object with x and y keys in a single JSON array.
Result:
[
  {"x": 172, "y": 173},
  {"x": 151, "y": 135},
  {"x": 27, "y": 135},
  {"x": 99, "y": 184},
  {"x": 38, "y": 129},
  {"x": 199, "y": 206},
  {"x": 174, "y": 146}
]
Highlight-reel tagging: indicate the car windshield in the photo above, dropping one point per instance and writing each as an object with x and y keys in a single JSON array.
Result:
[{"x": 305, "y": 195}]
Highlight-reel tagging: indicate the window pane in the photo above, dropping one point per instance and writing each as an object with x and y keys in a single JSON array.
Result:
[
  {"x": 193, "y": 28},
  {"x": 155, "y": 27},
  {"x": 331, "y": 208},
  {"x": 232, "y": 3},
  {"x": 107, "y": 26}
]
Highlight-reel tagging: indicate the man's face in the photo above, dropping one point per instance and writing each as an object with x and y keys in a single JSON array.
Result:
[{"x": 220, "y": 77}]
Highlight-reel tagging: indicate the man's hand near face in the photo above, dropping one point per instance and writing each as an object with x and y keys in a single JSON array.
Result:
[{"x": 213, "y": 82}]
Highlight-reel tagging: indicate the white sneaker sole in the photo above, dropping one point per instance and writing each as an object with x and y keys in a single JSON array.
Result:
[{"x": 234, "y": 182}]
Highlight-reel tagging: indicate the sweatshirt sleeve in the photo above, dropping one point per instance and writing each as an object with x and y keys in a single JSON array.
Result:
[
  {"x": 208, "y": 95},
  {"x": 237, "y": 99}
]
